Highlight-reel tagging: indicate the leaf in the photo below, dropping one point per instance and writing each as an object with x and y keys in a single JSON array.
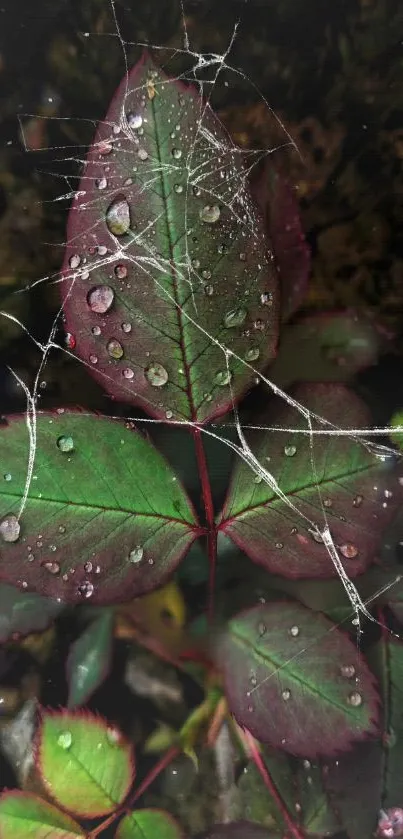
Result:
[
  {"x": 336, "y": 482},
  {"x": 23, "y": 612},
  {"x": 166, "y": 265},
  {"x": 105, "y": 518},
  {"x": 257, "y": 803},
  {"x": 89, "y": 659},
  {"x": 290, "y": 679},
  {"x": 25, "y": 816},
  {"x": 86, "y": 765},
  {"x": 354, "y": 784},
  {"x": 241, "y": 830},
  {"x": 279, "y": 205},
  {"x": 317, "y": 816},
  {"x": 148, "y": 824},
  {"x": 387, "y": 662}
]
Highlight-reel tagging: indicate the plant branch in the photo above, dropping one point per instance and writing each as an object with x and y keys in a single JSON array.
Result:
[{"x": 209, "y": 513}]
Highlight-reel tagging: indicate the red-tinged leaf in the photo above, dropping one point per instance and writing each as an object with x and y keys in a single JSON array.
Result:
[
  {"x": 394, "y": 594},
  {"x": 22, "y": 612},
  {"x": 86, "y": 765},
  {"x": 89, "y": 659},
  {"x": 331, "y": 347},
  {"x": 386, "y": 659},
  {"x": 166, "y": 265},
  {"x": 317, "y": 816},
  {"x": 149, "y": 824},
  {"x": 337, "y": 483},
  {"x": 255, "y": 800},
  {"x": 241, "y": 830},
  {"x": 290, "y": 678},
  {"x": 105, "y": 517},
  {"x": 26, "y": 816},
  {"x": 354, "y": 783},
  {"x": 279, "y": 205}
]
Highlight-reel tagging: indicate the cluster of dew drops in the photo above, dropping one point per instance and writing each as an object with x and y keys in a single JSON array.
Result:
[{"x": 101, "y": 298}]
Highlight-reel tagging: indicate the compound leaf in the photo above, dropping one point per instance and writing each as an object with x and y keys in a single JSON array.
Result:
[
  {"x": 89, "y": 659},
  {"x": 148, "y": 824},
  {"x": 26, "y": 816},
  {"x": 290, "y": 678},
  {"x": 86, "y": 765},
  {"x": 167, "y": 265},
  {"x": 277, "y": 515},
  {"x": 105, "y": 517}
]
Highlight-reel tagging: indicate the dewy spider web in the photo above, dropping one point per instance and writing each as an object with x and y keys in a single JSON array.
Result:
[{"x": 150, "y": 263}]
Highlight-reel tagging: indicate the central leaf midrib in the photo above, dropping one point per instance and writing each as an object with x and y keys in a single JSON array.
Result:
[
  {"x": 171, "y": 245},
  {"x": 281, "y": 666}
]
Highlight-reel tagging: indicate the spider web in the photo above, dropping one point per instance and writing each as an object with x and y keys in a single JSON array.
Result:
[{"x": 316, "y": 425}]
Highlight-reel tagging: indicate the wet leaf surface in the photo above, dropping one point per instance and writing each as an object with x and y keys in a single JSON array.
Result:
[
  {"x": 166, "y": 266},
  {"x": 105, "y": 517},
  {"x": 25, "y": 816},
  {"x": 336, "y": 482},
  {"x": 290, "y": 678},
  {"x": 148, "y": 824},
  {"x": 85, "y": 764}
]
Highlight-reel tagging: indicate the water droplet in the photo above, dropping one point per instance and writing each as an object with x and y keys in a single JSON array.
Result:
[
  {"x": 136, "y": 555},
  {"x": 100, "y": 298},
  {"x": 120, "y": 271},
  {"x": 209, "y": 290},
  {"x": 253, "y": 680},
  {"x": 279, "y": 546},
  {"x": 328, "y": 502},
  {"x": 86, "y": 589},
  {"x": 262, "y": 629},
  {"x": 347, "y": 671},
  {"x": 74, "y": 260},
  {"x": 250, "y": 709},
  {"x": 234, "y": 318},
  {"x": 65, "y": 443},
  {"x": 306, "y": 764},
  {"x": 61, "y": 528},
  {"x": 7, "y": 476},
  {"x": 88, "y": 567},
  {"x": 104, "y": 147},
  {"x": 93, "y": 359},
  {"x": 101, "y": 183},
  {"x": 210, "y": 213},
  {"x": 52, "y": 567},
  {"x": 290, "y": 451},
  {"x": 70, "y": 341},
  {"x": 65, "y": 740},
  {"x": 115, "y": 349},
  {"x": 206, "y": 274},
  {"x": 294, "y": 631},
  {"x": 252, "y": 354},
  {"x": 222, "y": 378},
  {"x": 142, "y": 154},
  {"x": 348, "y": 550},
  {"x": 169, "y": 414},
  {"x": 266, "y": 298},
  {"x": 197, "y": 191},
  {"x": 358, "y": 501},
  {"x": 127, "y": 327},
  {"x": 258, "y": 325},
  {"x": 242, "y": 257},
  {"x": 258, "y": 479},
  {"x": 156, "y": 375},
  {"x": 286, "y": 694},
  {"x": 178, "y": 188},
  {"x": 96, "y": 330},
  {"x": 113, "y": 736},
  {"x": 177, "y": 154},
  {"x": 128, "y": 373},
  {"x": 355, "y": 699},
  {"x": 9, "y": 528},
  {"x": 118, "y": 217},
  {"x": 134, "y": 120}
]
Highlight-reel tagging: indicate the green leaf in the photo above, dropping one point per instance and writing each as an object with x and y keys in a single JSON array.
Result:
[
  {"x": 354, "y": 784},
  {"x": 25, "y": 816},
  {"x": 85, "y": 764},
  {"x": 336, "y": 483},
  {"x": 22, "y": 612},
  {"x": 105, "y": 517},
  {"x": 290, "y": 678},
  {"x": 256, "y": 803},
  {"x": 167, "y": 267},
  {"x": 89, "y": 659},
  {"x": 148, "y": 824},
  {"x": 387, "y": 661},
  {"x": 317, "y": 815}
]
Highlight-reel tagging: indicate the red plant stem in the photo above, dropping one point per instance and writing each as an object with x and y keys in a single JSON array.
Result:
[
  {"x": 166, "y": 759},
  {"x": 253, "y": 751},
  {"x": 209, "y": 512}
]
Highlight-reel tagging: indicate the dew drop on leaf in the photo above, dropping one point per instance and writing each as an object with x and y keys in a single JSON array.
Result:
[
  {"x": 52, "y": 567},
  {"x": 93, "y": 359},
  {"x": 101, "y": 183},
  {"x": 355, "y": 699},
  {"x": 128, "y": 373},
  {"x": 74, "y": 260},
  {"x": 70, "y": 341},
  {"x": 234, "y": 318},
  {"x": 142, "y": 154},
  {"x": 65, "y": 740},
  {"x": 136, "y": 555},
  {"x": 347, "y": 671},
  {"x": 178, "y": 188},
  {"x": 117, "y": 216},
  {"x": 262, "y": 629},
  {"x": 210, "y": 213},
  {"x": 252, "y": 354},
  {"x": 134, "y": 120},
  {"x": 86, "y": 589},
  {"x": 65, "y": 443},
  {"x": 156, "y": 375},
  {"x": 126, "y": 327},
  {"x": 266, "y": 298},
  {"x": 9, "y": 528},
  {"x": 294, "y": 631},
  {"x": 176, "y": 154},
  {"x": 115, "y": 349},
  {"x": 286, "y": 694},
  {"x": 222, "y": 378},
  {"x": 7, "y": 476},
  {"x": 120, "y": 271},
  {"x": 290, "y": 451},
  {"x": 348, "y": 550},
  {"x": 96, "y": 330},
  {"x": 100, "y": 298}
]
